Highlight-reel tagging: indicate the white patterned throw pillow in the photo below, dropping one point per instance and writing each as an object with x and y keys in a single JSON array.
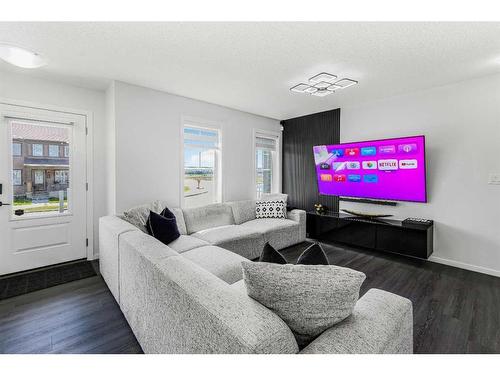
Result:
[{"x": 270, "y": 210}]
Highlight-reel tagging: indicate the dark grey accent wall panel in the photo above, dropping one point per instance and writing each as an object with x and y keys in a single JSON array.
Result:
[{"x": 299, "y": 176}]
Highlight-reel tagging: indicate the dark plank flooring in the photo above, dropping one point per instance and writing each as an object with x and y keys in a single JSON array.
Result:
[{"x": 455, "y": 311}]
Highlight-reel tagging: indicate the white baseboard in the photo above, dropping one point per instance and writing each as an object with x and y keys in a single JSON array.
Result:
[
  {"x": 470, "y": 267},
  {"x": 93, "y": 257}
]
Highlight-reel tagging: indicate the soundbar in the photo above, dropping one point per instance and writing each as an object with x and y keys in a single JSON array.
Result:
[{"x": 366, "y": 200}]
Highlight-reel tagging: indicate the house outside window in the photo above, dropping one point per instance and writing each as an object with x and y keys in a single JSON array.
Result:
[
  {"x": 54, "y": 151},
  {"x": 61, "y": 177},
  {"x": 66, "y": 151},
  {"x": 16, "y": 149},
  {"x": 17, "y": 177},
  {"x": 266, "y": 163},
  {"x": 37, "y": 149},
  {"x": 201, "y": 182}
]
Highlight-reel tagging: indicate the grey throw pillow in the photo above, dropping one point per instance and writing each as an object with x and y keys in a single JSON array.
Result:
[{"x": 310, "y": 299}]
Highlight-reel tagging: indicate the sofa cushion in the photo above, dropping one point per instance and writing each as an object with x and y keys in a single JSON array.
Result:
[
  {"x": 186, "y": 243},
  {"x": 214, "y": 215},
  {"x": 280, "y": 233},
  {"x": 274, "y": 197},
  {"x": 239, "y": 286},
  {"x": 222, "y": 263},
  {"x": 242, "y": 240},
  {"x": 139, "y": 215},
  {"x": 243, "y": 210},
  {"x": 310, "y": 299}
]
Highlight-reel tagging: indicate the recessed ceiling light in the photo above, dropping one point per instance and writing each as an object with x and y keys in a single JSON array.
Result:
[
  {"x": 323, "y": 84},
  {"x": 21, "y": 57}
]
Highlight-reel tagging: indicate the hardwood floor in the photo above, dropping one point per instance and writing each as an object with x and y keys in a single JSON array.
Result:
[
  {"x": 455, "y": 311},
  {"x": 77, "y": 317}
]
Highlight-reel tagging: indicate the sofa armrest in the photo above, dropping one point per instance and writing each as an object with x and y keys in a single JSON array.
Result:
[
  {"x": 300, "y": 217},
  {"x": 381, "y": 322},
  {"x": 110, "y": 230}
]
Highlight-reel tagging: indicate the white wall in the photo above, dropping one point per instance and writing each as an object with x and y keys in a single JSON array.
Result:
[
  {"x": 461, "y": 123},
  {"x": 44, "y": 92},
  {"x": 110, "y": 149},
  {"x": 148, "y": 145}
]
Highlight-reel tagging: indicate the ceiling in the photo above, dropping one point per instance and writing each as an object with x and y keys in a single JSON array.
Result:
[{"x": 251, "y": 66}]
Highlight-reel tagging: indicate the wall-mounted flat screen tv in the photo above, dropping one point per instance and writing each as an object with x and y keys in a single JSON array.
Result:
[{"x": 387, "y": 169}]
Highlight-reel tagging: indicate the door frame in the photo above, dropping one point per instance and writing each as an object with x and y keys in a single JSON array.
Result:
[{"x": 89, "y": 158}]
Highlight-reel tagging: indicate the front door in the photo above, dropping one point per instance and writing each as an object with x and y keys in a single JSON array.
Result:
[{"x": 43, "y": 177}]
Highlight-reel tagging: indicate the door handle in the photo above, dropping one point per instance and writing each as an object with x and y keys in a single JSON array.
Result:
[{"x": 4, "y": 204}]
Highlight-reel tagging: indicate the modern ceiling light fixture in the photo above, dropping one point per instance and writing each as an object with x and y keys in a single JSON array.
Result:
[
  {"x": 323, "y": 84},
  {"x": 21, "y": 57}
]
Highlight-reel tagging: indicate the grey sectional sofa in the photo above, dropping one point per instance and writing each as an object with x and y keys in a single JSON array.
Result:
[{"x": 189, "y": 296}]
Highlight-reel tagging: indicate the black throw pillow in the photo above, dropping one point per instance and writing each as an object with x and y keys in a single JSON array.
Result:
[
  {"x": 313, "y": 255},
  {"x": 162, "y": 228},
  {"x": 167, "y": 213},
  {"x": 270, "y": 255}
]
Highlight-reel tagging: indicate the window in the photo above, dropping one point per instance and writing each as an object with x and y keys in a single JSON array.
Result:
[
  {"x": 201, "y": 166},
  {"x": 61, "y": 177},
  {"x": 39, "y": 176},
  {"x": 17, "y": 177},
  {"x": 16, "y": 149},
  {"x": 266, "y": 164},
  {"x": 66, "y": 151},
  {"x": 54, "y": 151},
  {"x": 37, "y": 149},
  {"x": 40, "y": 185}
]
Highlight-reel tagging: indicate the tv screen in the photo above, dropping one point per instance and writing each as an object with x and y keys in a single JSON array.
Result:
[{"x": 392, "y": 169}]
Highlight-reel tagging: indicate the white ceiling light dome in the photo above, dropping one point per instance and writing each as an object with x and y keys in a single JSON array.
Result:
[{"x": 21, "y": 57}]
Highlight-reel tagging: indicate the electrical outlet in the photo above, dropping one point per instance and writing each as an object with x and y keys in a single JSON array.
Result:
[{"x": 494, "y": 179}]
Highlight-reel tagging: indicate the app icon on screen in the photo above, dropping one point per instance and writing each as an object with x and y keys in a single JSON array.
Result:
[
  {"x": 338, "y": 152},
  {"x": 388, "y": 164},
  {"x": 370, "y": 178},
  {"x": 339, "y": 177},
  {"x": 326, "y": 177},
  {"x": 353, "y": 165},
  {"x": 354, "y": 178},
  {"x": 339, "y": 166},
  {"x": 368, "y": 151},
  {"x": 408, "y": 148},
  {"x": 408, "y": 164},
  {"x": 324, "y": 166},
  {"x": 352, "y": 151},
  {"x": 387, "y": 149},
  {"x": 371, "y": 164}
]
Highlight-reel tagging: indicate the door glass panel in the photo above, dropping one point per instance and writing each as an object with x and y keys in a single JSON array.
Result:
[{"x": 40, "y": 184}]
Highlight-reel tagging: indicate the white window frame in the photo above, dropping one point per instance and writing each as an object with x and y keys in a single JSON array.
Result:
[
  {"x": 66, "y": 151},
  {"x": 192, "y": 122},
  {"x": 33, "y": 149},
  {"x": 276, "y": 173},
  {"x": 58, "y": 151}
]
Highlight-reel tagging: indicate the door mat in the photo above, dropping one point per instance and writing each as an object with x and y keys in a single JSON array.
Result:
[{"x": 27, "y": 282}]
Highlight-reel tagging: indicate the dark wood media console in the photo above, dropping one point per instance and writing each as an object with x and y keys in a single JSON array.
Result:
[{"x": 415, "y": 240}]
